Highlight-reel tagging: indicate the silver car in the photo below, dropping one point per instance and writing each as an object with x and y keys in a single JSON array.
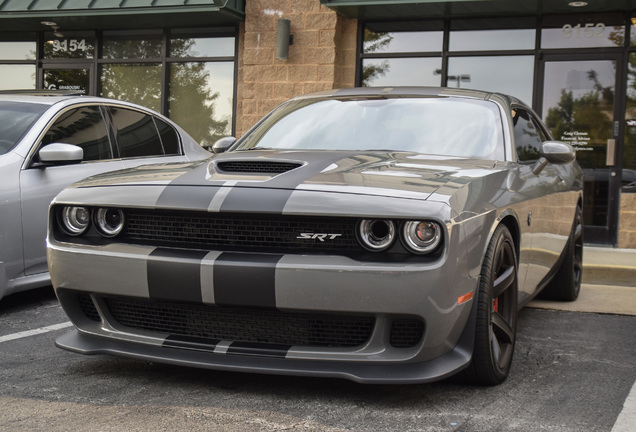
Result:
[
  {"x": 49, "y": 142},
  {"x": 379, "y": 235}
]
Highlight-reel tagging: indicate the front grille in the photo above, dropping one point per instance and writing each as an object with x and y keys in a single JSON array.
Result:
[
  {"x": 242, "y": 325},
  {"x": 244, "y": 231},
  {"x": 259, "y": 167}
]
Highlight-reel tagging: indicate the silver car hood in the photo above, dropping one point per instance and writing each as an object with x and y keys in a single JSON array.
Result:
[{"x": 375, "y": 173}]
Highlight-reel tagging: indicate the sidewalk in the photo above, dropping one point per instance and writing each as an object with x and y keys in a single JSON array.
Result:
[{"x": 609, "y": 283}]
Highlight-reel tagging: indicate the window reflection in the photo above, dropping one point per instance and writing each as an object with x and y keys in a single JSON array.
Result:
[
  {"x": 83, "y": 127},
  {"x": 202, "y": 47},
  {"x": 401, "y": 72},
  {"x": 201, "y": 99},
  {"x": 491, "y": 40},
  {"x": 17, "y": 50},
  {"x": 137, "y": 83},
  {"x": 511, "y": 75},
  {"x": 17, "y": 77},
  {"x": 398, "y": 42},
  {"x": 132, "y": 47}
]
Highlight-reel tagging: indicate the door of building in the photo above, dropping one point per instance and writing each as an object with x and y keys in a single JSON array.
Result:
[
  {"x": 579, "y": 97},
  {"x": 78, "y": 77}
]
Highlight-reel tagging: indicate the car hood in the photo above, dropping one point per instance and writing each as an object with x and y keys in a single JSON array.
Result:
[{"x": 394, "y": 174}]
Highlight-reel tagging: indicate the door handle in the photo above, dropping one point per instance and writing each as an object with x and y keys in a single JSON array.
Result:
[{"x": 611, "y": 149}]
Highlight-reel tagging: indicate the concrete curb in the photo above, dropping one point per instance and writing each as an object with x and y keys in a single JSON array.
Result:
[{"x": 609, "y": 266}]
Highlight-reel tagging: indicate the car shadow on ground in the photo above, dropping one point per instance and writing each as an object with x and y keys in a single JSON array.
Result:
[{"x": 26, "y": 300}]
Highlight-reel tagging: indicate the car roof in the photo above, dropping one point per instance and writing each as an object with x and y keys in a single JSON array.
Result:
[{"x": 396, "y": 92}]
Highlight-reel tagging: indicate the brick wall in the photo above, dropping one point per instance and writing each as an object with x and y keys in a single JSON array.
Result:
[
  {"x": 322, "y": 56},
  {"x": 627, "y": 223}
]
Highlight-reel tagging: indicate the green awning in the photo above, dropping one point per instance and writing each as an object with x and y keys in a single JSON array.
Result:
[
  {"x": 421, "y": 9},
  {"x": 27, "y": 15}
]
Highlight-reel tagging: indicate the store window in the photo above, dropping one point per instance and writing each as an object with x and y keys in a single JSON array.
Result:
[
  {"x": 201, "y": 85},
  {"x": 139, "y": 83},
  {"x": 583, "y": 31},
  {"x": 17, "y": 65},
  {"x": 512, "y": 75},
  {"x": 132, "y": 45},
  {"x": 402, "y": 53},
  {"x": 628, "y": 179},
  {"x": 70, "y": 45}
]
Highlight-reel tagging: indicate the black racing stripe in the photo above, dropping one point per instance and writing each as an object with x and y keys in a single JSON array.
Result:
[
  {"x": 179, "y": 279},
  {"x": 246, "y": 195},
  {"x": 190, "y": 343},
  {"x": 242, "y": 279},
  {"x": 256, "y": 349},
  {"x": 242, "y": 199},
  {"x": 187, "y": 197}
]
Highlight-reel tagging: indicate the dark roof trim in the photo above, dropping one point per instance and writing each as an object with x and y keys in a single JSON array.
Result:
[
  {"x": 21, "y": 15},
  {"x": 422, "y": 9}
]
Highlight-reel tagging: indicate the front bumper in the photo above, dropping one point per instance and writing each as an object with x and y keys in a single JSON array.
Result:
[{"x": 290, "y": 283}]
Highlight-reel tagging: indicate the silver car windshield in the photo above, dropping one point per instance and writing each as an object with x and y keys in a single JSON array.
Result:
[
  {"x": 438, "y": 126},
  {"x": 15, "y": 119}
]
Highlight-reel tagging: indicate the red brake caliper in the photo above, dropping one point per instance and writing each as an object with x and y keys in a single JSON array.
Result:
[{"x": 495, "y": 305}]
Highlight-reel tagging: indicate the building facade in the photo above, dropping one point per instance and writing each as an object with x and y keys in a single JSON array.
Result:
[{"x": 212, "y": 65}]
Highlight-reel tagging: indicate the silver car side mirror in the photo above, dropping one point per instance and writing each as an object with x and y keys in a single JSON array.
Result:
[
  {"x": 223, "y": 144},
  {"x": 59, "y": 153},
  {"x": 554, "y": 152}
]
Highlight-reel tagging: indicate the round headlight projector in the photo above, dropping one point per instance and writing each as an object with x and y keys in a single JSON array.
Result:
[
  {"x": 421, "y": 237},
  {"x": 109, "y": 222},
  {"x": 75, "y": 220},
  {"x": 376, "y": 234}
]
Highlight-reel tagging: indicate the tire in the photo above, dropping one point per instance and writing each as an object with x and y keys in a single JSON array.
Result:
[
  {"x": 566, "y": 284},
  {"x": 496, "y": 320}
]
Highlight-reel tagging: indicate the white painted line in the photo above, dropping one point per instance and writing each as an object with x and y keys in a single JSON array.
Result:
[
  {"x": 35, "y": 331},
  {"x": 626, "y": 421}
]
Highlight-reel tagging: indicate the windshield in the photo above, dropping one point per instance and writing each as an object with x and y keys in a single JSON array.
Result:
[
  {"x": 439, "y": 126},
  {"x": 15, "y": 119}
]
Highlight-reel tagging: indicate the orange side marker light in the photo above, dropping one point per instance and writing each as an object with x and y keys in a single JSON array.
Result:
[{"x": 464, "y": 298}]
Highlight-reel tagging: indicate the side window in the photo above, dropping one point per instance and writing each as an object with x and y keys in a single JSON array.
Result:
[
  {"x": 169, "y": 137},
  {"x": 137, "y": 134},
  {"x": 528, "y": 136},
  {"x": 83, "y": 127}
]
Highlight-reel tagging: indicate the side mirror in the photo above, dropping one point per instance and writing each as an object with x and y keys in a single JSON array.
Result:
[
  {"x": 554, "y": 152},
  {"x": 223, "y": 144},
  {"x": 59, "y": 154}
]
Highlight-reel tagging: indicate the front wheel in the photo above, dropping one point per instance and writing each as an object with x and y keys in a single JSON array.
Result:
[
  {"x": 566, "y": 284},
  {"x": 496, "y": 323}
]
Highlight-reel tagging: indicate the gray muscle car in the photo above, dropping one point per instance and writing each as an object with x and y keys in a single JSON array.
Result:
[{"x": 379, "y": 235}]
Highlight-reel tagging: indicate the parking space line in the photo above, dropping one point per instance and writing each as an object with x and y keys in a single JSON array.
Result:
[
  {"x": 626, "y": 421},
  {"x": 35, "y": 331}
]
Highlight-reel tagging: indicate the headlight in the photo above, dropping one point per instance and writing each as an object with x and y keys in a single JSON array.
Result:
[
  {"x": 109, "y": 222},
  {"x": 376, "y": 234},
  {"x": 75, "y": 220},
  {"x": 421, "y": 237}
]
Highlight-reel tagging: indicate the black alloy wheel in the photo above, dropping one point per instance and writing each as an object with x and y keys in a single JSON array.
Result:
[{"x": 496, "y": 323}]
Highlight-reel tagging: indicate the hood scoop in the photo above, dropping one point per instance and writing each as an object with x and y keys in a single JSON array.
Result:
[{"x": 255, "y": 166}]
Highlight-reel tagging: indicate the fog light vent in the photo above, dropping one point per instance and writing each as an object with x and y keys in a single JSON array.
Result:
[{"x": 406, "y": 332}]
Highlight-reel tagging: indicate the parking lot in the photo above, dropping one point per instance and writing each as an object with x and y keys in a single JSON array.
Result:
[{"x": 572, "y": 371}]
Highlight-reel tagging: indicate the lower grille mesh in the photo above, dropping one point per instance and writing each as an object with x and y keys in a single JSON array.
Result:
[{"x": 242, "y": 325}]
